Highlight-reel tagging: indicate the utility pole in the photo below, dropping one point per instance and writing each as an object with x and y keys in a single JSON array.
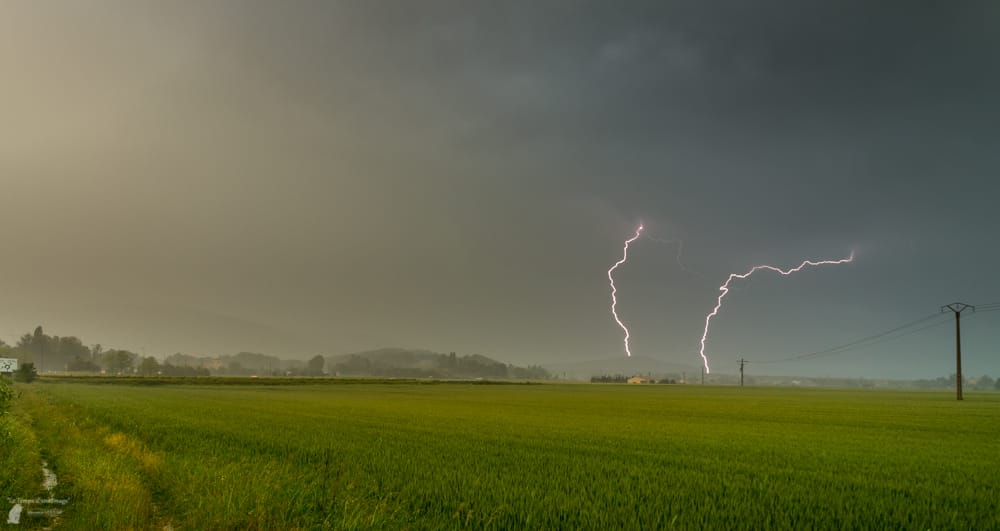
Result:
[
  {"x": 742, "y": 362},
  {"x": 958, "y": 308},
  {"x": 703, "y": 376}
]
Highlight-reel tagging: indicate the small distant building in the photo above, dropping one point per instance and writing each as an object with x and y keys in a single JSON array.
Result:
[{"x": 640, "y": 380}]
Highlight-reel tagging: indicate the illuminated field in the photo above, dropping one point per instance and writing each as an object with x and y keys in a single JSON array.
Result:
[{"x": 515, "y": 457}]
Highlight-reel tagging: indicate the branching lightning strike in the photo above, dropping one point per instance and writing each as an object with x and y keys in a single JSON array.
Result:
[
  {"x": 724, "y": 288},
  {"x": 614, "y": 290}
]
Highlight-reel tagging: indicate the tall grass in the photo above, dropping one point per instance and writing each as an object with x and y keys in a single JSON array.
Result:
[
  {"x": 20, "y": 462},
  {"x": 549, "y": 456},
  {"x": 103, "y": 473}
]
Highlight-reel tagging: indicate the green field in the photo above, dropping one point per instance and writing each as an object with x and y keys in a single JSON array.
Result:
[{"x": 549, "y": 456}]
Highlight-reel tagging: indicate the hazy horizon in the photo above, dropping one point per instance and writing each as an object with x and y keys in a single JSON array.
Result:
[{"x": 330, "y": 177}]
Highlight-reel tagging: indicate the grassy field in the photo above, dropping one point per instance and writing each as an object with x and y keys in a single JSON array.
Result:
[{"x": 517, "y": 457}]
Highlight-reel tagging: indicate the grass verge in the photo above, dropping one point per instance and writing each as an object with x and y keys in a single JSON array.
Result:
[
  {"x": 104, "y": 474},
  {"x": 20, "y": 462}
]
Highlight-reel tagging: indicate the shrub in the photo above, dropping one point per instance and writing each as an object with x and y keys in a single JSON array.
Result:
[{"x": 26, "y": 373}]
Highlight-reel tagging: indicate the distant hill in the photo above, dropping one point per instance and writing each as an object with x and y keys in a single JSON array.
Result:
[
  {"x": 417, "y": 363},
  {"x": 628, "y": 366}
]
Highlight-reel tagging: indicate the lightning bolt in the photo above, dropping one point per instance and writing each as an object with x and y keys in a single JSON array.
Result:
[
  {"x": 724, "y": 288},
  {"x": 614, "y": 290}
]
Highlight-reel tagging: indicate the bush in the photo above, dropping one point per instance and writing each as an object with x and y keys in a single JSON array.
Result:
[{"x": 26, "y": 373}]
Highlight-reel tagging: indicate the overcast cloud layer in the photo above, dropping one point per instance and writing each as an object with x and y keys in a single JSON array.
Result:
[{"x": 324, "y": 177}]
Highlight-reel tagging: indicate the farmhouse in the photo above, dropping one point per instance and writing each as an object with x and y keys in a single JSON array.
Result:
[{"x": 640, "y": 380}]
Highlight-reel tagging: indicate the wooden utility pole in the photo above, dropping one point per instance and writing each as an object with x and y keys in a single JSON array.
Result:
[
  {"x": 742, "y": 362},
  {"x": 958, "y": 308},
  {"x": 703, "y": 375}
]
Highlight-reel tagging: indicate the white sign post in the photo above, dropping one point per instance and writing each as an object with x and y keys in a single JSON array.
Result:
[{"x": 8, "y": 364}]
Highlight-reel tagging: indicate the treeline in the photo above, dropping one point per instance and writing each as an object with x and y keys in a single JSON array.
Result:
[
  {"x": 982, "y": 383},
  {"x": 39, "y": 352},
  {"x": 43, "y": 352},
  {"x": 621, "y": 378},
  {"x": 251, "y": 364},
  {"x": 391, "y": 363}
]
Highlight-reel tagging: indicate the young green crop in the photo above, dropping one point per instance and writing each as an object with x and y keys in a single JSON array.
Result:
[{"x": 547, "y": 456}]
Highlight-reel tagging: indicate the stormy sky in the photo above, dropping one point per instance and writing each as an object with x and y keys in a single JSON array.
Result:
[{"x": 325, "y": 177}]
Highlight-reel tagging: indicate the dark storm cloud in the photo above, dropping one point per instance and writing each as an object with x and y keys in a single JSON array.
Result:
[
  {"x": 869, "y": 96},
  {"x": 640, "y": 63}
]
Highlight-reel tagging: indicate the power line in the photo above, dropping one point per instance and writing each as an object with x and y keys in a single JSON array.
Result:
[
  {"x": 859, "y": 342},
  {"x": 863, "y": 342},
  {"x": 865, "y": 345},
  {"x": 884, "y": 339}
]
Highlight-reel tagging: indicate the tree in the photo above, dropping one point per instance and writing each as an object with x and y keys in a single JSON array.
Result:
[
  {"x": 34, "y": 345},
  {"x": 235, "y": 368},
  {"x": 118, "y": 360},
  {"x": 79, "y": 364},
  {"x": 38, "y": 341},
  {"x": 26, "y": 373},
  {"x": 174, "y": 370},
  {"x": 70, "y": 347},
  {"x": 24, "y": 342},
  {"x": 354, "y": 365},
  {"x": 96, "y": 351},
  {"x": 315, "y": 366},
  {"x": 149, "y": 366},
  {"x": 985, "y": 382}
]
